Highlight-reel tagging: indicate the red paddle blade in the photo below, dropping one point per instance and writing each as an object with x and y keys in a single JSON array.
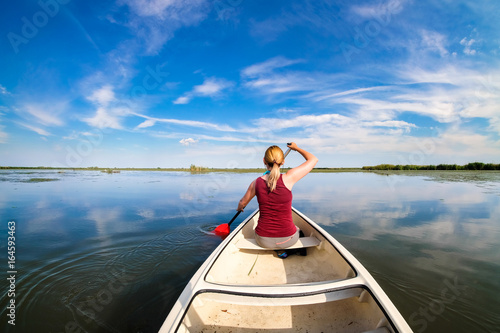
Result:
[{"x": 223, "y": 229}]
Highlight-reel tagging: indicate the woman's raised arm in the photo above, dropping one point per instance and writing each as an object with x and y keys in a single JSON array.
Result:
[{"x": 294, "y": 175}]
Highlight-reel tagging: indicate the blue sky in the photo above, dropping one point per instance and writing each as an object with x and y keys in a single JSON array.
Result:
[{"x": 170, "y": 83}]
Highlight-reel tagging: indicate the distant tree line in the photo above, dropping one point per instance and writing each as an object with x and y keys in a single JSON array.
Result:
[{"x": 469, "y": 166}]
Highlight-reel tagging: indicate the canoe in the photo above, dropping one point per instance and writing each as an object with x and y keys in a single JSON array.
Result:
[{"x": 244, "y": 288}]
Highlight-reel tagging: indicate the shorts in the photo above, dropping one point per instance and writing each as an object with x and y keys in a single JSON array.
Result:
[{"x": 275, "y": 243}]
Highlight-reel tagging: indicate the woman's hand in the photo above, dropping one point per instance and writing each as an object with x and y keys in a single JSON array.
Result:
[{"x": 292, "y": 146}]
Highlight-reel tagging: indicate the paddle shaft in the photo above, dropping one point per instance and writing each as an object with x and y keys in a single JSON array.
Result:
[
  {"x": 234, "y": 217},
  {"x": 287, "y": 152}
]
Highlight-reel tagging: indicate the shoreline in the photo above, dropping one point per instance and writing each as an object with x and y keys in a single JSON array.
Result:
[
  {"x": 192, "y": 170},
  {"x": 245, "y": 170}
]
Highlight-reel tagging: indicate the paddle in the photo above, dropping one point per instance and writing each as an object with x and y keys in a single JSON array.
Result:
[{"x": 223, "y": 229}]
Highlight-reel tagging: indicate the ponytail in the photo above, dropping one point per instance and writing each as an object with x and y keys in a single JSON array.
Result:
[
  {"x": 274, "y": 175},
  {"x": 274, "y": 158}
]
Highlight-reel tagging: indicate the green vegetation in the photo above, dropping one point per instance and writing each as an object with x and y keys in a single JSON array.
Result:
[
  {"x": 469, "y": 166},
  {"x": 111, "y": 170},
  {"x": 40, "y": 180},
  {"x": 198, "y": 169}
]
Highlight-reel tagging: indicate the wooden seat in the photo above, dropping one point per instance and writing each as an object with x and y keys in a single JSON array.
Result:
[{"x": 251, "y": 244}]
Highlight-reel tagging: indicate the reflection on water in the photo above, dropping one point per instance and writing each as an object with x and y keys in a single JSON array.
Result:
[{"x": 94, "y": 248}]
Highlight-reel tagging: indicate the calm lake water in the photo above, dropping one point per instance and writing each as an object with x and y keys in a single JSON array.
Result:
[{"x": 99, "y": 252}]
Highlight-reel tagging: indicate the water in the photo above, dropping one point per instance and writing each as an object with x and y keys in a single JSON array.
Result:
[{"x": 99, "y": 252}]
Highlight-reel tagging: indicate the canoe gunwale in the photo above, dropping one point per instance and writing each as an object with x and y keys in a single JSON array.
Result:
[
  {"x": 281, "y": 295},
  {"x": 296, "y": 296},
  {"x": 362, "y": 279}
]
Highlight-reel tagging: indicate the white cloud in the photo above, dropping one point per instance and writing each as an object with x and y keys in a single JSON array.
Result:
[
  {"x": 325, "y": 95},
  {"x": 211, "y": 87},
  {"x": 3, "y": 90},
  {"x": 454, "y": 93},
  {"x": 154, "y": 22},
  {"x": 103, "y": 96},
  {"x": 434, "y": 41},
  {"x": 268, "y": 66},
  {"x": 188, "y": 141},
  {"x": 301, "y": 121},
  {"x": 286, "y": 110},
  {"x": 109, "y": 109},
  {"x": 147, "y": 123},
  {"x": 199, "y": 124},
  {"x": 381, "y": 10},
  {"x": 468, "y": 46},
  {"x": 107, "y": 118},
  {"x": 182, "y": 100},
  {"x": 35, "y": 129},
  {"x": 273, "y": 78},
  {"x": 151, "y": 121},
  {"x": 441, "y": 110},
  {"x": 41, "y": 113}
]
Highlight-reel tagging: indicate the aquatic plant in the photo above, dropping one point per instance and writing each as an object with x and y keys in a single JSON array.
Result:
[{"x": 40, "y": 180}]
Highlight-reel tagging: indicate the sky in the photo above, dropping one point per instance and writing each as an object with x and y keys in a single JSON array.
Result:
[{"x": 170, "y": 83}]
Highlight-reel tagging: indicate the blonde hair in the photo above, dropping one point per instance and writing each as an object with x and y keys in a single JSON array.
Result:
[{"x": 274, "y": 158}]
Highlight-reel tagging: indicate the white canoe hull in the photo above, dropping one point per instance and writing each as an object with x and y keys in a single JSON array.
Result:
[{"x": 240, "y": 290}]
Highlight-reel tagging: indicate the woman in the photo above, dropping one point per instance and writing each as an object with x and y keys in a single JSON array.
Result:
[{"x": 275, "y": 228}]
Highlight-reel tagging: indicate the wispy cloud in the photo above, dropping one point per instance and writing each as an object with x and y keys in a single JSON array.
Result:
[
  {"x": 109, "y": 113},
  {"x": 35, "y": 129},
  {"x": 381, "y": 10},
  {"x": 274, "y": 77},
  {"x": 211, "y": 87},
  {"x": 107, "y": 118},
  {"x": 102, "y": 96},
  {"x": 268, "y": 66},
  {"x": 469, "y": 92},
  {"x": 155, "y": 22},
  {"x": 323, "y": 95},
  {"x": 45, "y": 114},
  {"x": 325, "y": 17},
  {"x": 322, "y": 120},
  {"x": 151, "y": 121},
  {"x": 301, "y": 121},
  {"x": 37, "y": 116},
  {"x": 4, "y": 91},
  {"x": 434, "y": 42}
]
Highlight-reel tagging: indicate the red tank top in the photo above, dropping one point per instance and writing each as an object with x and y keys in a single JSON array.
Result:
[{"x": 275, "y": 207}]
